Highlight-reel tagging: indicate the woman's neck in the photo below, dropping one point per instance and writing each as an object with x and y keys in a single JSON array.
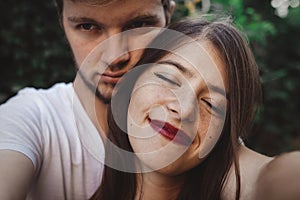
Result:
[{"x": 156, "y": 186}]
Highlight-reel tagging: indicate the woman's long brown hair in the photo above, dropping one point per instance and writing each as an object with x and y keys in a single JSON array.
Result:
[{"x": 207, "y": 180}]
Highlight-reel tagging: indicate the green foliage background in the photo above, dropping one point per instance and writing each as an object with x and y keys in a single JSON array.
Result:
[{"x": 34, "y": 52}]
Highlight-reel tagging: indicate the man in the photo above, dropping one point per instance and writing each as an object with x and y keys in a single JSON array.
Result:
[{"x": 49, "y": 139}]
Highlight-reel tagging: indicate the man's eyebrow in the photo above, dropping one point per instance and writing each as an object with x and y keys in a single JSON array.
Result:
[
  {"x": 151, "y": 18},
  {"x": 76, "y": 19}
]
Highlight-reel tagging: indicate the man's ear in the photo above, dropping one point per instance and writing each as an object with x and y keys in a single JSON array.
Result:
[
  {"x": 172, "y": 7},
  {"x": 171, "y": 10}
]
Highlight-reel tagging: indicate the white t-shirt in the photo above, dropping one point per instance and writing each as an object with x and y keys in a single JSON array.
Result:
[{"x": 52, "y": 129}]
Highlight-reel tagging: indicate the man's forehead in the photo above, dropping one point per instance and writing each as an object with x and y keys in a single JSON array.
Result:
[
  {"x": 102, "y": 2},
  {"x": 115, "y": 13},
  {"x": 94, "y": 2}
]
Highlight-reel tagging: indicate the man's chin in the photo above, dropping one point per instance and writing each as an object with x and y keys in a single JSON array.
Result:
[
  {"x": 104, "y": 93},
  {"x": 102, "y": 97}
]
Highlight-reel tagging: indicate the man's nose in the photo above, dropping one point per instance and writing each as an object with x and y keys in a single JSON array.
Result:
[{"x": 116, "y": 52}]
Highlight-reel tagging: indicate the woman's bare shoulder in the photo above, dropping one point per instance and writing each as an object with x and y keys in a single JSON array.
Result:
[
  {"x": 280, "y": 178},
  {"x": 251, "y": 163},
  {"x": 263, "y": 177}
]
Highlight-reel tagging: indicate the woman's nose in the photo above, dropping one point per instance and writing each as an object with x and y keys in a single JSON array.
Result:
[{"x": 183, "y": 108}]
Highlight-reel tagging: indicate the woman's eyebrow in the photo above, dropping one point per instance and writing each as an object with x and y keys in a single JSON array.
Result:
[
  {"x": 217, "y": 89},
  {"x": 179, "y": 66}
]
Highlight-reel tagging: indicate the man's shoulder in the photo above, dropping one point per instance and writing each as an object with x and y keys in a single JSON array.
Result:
[
  {"x": 38, "y": 101},
  {"x": 35, "y": 95},
  {"x": 56, "y": 89}
]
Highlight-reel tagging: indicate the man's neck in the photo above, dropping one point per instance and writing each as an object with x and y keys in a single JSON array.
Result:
[{"x": 95, "y": 108}]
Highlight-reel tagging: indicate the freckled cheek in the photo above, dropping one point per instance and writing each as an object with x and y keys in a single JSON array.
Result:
[
  {"x": 204, "y": 121},
  {"x": 144, "y": 99}
]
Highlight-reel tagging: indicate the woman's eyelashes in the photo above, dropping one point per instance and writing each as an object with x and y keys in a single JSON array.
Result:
[
  {"x": 168, "y": 78},
  {"x": 212, "y": 106}
]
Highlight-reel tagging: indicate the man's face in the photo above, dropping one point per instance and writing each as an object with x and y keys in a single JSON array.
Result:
[{"x": 86, "y": 26}]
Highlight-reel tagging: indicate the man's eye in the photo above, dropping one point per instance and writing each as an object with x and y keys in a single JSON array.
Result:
[
  {"x": 168, "y": 79},
  {"x": 87, "y": 27},
  {"x": 139, "y": 24}
]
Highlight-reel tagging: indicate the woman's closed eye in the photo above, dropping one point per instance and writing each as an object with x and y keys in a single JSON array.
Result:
[
  {"x": 207, "y": 102},
  {"x": 168, "y": 78},
  {"x": 212, "y": 106}
]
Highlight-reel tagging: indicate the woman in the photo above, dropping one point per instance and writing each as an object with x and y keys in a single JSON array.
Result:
[{"x": 183, "y": 111}]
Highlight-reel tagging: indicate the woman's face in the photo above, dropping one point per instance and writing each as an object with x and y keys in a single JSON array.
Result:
[{"x": 177, "y": 109}]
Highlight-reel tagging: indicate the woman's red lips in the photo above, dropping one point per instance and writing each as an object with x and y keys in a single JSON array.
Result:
[{"x": 170, "y": 132}]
